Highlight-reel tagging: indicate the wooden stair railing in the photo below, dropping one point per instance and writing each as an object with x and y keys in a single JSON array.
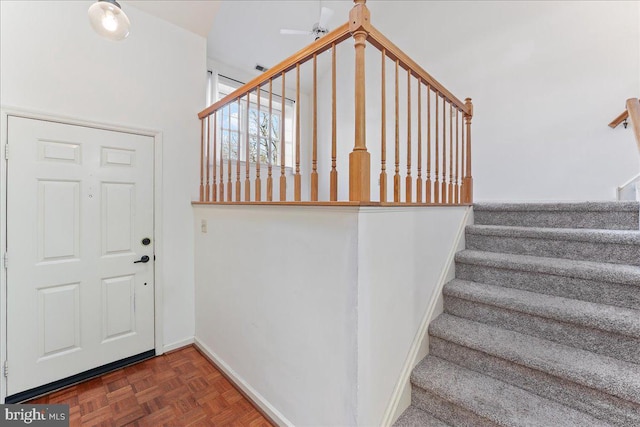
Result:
[
  {"x": 457, "y": 186},
  {"x": 443, "y": 127},
  {"x": 632, "y": 114}
]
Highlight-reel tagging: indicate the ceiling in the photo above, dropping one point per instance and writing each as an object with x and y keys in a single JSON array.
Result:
[
  {"x": 246, "y": 33},
  {"x": 243, "y": 33},
  {"x": 192, "y": 15}
]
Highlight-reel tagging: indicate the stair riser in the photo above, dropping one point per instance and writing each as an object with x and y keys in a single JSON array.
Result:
[
  {"x": 606, "y": 343},
  {"x": 447, "y": 411},
  {"x": 608, "y": 220},
  {"x": 582, "y": 289},
  {"x": 594, "y": 402},
  {"x": 585, "y": 251}
]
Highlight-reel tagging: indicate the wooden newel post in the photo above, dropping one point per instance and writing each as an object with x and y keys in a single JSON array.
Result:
[
  {"x": 633, "y": 109},
  {"x": 359, "y": 158},
  {"x": 467, "y": 181}
]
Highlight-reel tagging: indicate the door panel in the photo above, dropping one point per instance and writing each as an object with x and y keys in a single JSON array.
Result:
[
  {"x": 118, "y": 307},
  {"x": 80, "y": 201},
  {"x": 118, "y": 217},
  {"x": 59, "y": 319},
  {"x": 58, "y": 220}
]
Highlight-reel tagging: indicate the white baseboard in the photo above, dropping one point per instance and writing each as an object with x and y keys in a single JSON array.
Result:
[
  {"x": 401, "y": 396},
  {"x": 256, "y": 398},
  {"x": 178, "y": 344}
]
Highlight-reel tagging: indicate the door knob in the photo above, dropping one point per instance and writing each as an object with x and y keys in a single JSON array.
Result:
[{"x": 144, "y": 258}]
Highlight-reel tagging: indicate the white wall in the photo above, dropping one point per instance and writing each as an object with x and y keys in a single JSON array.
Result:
[
  {"x": 402, "y": 258},
  {"x": 276, "y": 300},
  {"x": 315, "y": 310},
  {"x": 545, "y": 77},
  {"x": 53, "y": 62}
]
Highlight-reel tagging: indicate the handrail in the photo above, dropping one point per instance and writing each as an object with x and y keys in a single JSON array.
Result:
[
  {"x": 336, "y": 36},
  {"x": 377, "y": 39},
  {"x": 632, "y": 113},
  {"x": 620, "y": 119}
]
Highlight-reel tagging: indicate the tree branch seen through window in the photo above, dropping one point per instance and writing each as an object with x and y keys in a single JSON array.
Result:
[{"x": 264, "y": 130}]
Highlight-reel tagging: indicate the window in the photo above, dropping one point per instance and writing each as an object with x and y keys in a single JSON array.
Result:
[{"x": 264, "y": 130}]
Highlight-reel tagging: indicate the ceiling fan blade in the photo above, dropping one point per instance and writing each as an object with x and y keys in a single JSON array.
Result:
[
  {"x": 325, "y": 16},
  {"x": 296, "y": 32}
]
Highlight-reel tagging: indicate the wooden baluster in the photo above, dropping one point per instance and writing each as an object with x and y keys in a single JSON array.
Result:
[
  {"x": 383, "y": 132},
  {"x": 450, "y": 184},
  {"x": 283, "y": 158},
  {"x": 456, "y": 181},
  {"x": 467, "y": 182},
  {"x": 258, "y": 183},
  {"x": 436, "y": 183},
  {"x": 214, "y": 186},
  {"x": 221, "y": 155},
  {"x": 419, "y": 178},
  {"x": 396, "y": 177},
  {"x": 269, "y": 149},
  {"x": 314, "y": 149},
  {"x": 238, "y": 189},
  {"x": 207, "y": 191},
  {"x": 359, "y": 158},
  {"x": 229, "y": 183},
  {"x": 333, "y": 190},
  {"x": 462, "y": 161},
  {"x": 247, "y": 153},
  {"x": 202, "y": 160},
  {"x": 408, "y": 179},
  {"x": 428, "y": 182},
  {"x": 297, "y": 183},
  {"x": 443, "y": 192}
]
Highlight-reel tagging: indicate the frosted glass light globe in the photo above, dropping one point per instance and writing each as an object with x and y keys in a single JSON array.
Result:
[{"x": 108, "y": 20}]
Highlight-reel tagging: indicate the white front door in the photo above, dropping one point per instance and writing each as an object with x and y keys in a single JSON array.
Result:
[{"x": 79, "y": 204}]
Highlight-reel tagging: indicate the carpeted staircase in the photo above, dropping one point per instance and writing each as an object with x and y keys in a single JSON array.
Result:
[{"x": 541, "y": 326}]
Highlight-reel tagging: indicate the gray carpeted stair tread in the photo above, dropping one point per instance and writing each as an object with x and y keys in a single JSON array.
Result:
[
  {"x": 601, "y": 215},
  {"x": 608, "y": 246},
  {"x": 618, "y": 378},
  {"x": 623, "y": 206},
  {"x": 501, "y": 403},
  {"x": 599, "y": 404},
  {"x": 414, "y": 417},
  {"x": 596, "y": 327},
  {"x": 600, "y": 271},
  {"x": 608, "y": 318},
  {"x": 624, "y": 237},
  {"x": 535, "y": 274}
]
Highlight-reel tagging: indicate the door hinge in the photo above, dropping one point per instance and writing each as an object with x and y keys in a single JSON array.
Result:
[
  {"x": 6, "y": 260},
  {"x": 6, "y": 369},
  {"x": 6, "y": 152}
]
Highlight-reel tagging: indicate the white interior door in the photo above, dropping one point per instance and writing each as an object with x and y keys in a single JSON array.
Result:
[{"x": 80, "y": 203}]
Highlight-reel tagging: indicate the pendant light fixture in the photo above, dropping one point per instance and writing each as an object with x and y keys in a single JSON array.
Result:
[{"x": 108, "y": 19}]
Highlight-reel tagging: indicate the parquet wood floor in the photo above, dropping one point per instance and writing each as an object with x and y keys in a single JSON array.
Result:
[{"x": 179, "y": 389}]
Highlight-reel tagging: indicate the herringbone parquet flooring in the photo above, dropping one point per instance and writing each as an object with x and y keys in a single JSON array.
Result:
[{"x": 178, "y": 389}]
